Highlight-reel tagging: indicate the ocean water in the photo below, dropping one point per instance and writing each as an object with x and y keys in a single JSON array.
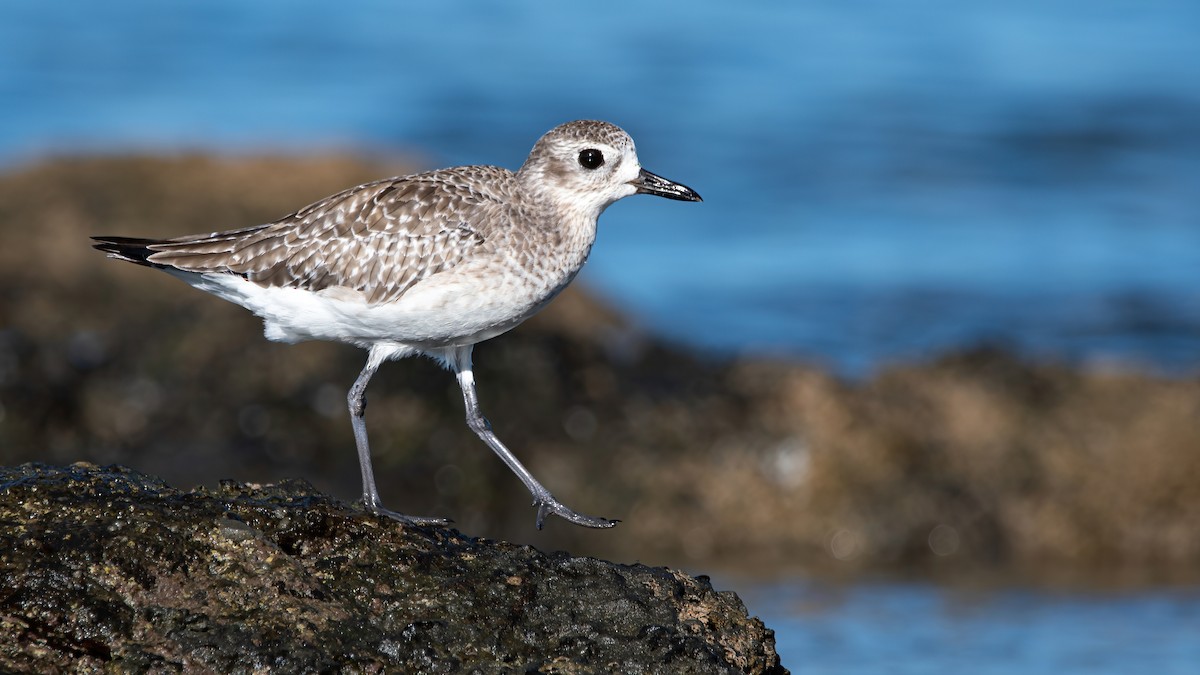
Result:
[
  {"x": 915, "y": 628},
  {"x": 883, "y": 181}
]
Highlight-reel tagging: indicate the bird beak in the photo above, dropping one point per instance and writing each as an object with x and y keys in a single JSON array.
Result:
[{"x": 650, "y": 184}]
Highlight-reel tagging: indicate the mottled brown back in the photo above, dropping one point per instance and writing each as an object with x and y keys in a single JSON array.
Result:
[{"x": 379, "y": 238}]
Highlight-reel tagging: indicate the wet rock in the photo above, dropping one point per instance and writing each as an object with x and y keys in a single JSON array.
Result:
[{"x": 111, "y": 568}]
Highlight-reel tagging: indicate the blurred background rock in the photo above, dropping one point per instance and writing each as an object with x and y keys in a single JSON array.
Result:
[
  {"x": 939, "y": 311},
  {"x": 975, "y": 459}
]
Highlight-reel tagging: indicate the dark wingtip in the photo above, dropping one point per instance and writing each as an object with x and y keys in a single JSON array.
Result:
[{"x": 132, "y": 249}]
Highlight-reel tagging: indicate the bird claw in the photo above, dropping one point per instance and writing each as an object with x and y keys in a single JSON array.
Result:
[
  {"x": 376, "y": 509},
  {"x": 547, "y": 505}
]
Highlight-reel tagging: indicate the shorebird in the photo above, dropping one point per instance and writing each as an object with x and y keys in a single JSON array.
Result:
[{"x": 430, "y": 263}]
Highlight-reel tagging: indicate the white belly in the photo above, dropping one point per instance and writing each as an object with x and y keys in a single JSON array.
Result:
[{"x": 464, "y": 306}]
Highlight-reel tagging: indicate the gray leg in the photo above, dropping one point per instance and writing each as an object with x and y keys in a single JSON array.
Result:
[
  {"x": 357, "y": 399},
  {"x": 460, "y": 359}
]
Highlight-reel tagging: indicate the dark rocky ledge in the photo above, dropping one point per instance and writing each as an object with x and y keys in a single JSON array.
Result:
[{"x": 105, "y": 567}]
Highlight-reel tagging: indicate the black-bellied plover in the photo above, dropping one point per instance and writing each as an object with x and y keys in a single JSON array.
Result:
[{"x": 431, "y": 264}]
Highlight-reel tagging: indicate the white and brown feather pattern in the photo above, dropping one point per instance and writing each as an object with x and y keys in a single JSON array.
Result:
[
  {"x": 378, "y": 239},
  {"x": 498, "y": 245}
]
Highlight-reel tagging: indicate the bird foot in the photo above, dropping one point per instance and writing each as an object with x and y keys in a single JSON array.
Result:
[
  {"x": 547, "y": 504},
  {"x": 376, "y": 509}
]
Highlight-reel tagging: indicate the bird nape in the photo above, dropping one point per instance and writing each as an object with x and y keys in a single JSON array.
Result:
[{"x": 430, "y": 263}]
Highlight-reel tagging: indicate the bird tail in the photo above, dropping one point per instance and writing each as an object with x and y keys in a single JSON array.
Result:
[{"x": 132, "y": 249}]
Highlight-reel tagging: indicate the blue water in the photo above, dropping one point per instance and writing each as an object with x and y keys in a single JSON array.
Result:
[
  {"x": 923, "y": 628},
  {"x": 883, "y": 180}
]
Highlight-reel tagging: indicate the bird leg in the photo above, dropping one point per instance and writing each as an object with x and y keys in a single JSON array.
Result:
[
  {"x": 357, "y": 400},
  {"x": 460, "y": 359}
]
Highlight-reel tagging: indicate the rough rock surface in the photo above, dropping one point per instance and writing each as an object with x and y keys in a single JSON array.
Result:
[{"x": 111, "y": 568}]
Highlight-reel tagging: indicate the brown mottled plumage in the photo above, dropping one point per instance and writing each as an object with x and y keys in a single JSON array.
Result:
[
  {"x": 425, "y": 264},
  {"x": 379, "y": 238}
]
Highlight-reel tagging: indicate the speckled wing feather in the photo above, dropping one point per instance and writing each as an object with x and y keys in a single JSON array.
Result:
[{"x": 379, "y": 239}]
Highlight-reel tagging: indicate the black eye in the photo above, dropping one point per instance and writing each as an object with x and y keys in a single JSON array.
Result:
[{"x": 591, "y": 158}]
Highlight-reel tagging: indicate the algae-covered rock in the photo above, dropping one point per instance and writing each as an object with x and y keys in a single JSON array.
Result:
[{"x": 111, "y": 568}]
